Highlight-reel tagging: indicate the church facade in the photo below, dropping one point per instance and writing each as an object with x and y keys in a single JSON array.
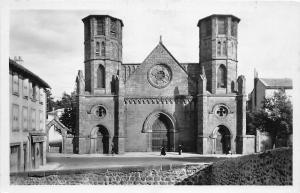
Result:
[{"x": 141, "y": 107}]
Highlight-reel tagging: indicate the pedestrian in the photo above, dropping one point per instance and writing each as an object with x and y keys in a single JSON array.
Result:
[
  {"x": 162, "y": 151},
  {"x": 112, "y": 149},
  {"x": 179, "y": 149}
]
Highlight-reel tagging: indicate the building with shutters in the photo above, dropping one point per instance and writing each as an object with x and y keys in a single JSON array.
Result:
[
  {"x": 27, "y": 118},
  {"x": 140, "y": 107}
]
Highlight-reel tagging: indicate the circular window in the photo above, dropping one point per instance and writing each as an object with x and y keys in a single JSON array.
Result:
[
  {"x": 100, "y": 111},
  {"x": 221, "y": 111},
  {"x": 159, "y": 76}
]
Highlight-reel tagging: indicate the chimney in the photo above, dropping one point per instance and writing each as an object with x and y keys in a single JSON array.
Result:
[{"x": 19, "y": 60}]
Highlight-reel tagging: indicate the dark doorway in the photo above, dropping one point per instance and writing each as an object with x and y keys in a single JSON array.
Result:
[
  {"x": 102, "y": 140},
  {"x": 223, "y": 144},
  {"x": 161, "y": 135}
]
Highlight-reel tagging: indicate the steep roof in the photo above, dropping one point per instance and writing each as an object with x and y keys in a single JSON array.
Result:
[
  {"x": 277, "y": 82},
  {"x": 14, "y": 66}
]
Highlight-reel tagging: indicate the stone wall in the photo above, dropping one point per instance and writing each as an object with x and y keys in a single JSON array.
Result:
[
  {"x": 160, "y": 175},
  {"x": 269, "y": 168},
  {"x": 272, "y": 167}
]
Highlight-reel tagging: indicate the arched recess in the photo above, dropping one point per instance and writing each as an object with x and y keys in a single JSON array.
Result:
[
  {"x": 100, "y": 140},
  {"x": 61, "y": 128},
  {"x": 221, "y": 76},
  {"x": 100, "y": 76},
  {"x": 221, "y": 138},
  {"x": 102, "y": 48},
  {"x": 161, "y": 131}
]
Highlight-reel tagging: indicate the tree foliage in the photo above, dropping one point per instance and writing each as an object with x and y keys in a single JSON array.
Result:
[
  {"x": 68, "y": 117},
  {"x": 68, "y": 103},
  {"x": 276, "y": 117}
]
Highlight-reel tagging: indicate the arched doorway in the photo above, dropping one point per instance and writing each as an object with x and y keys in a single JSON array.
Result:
[
  {"x": 56, "y": 134},
  {"x": 161, "y": 131},
  {"x": 222, "y": 140},
  {"x": 99, "y": 140}
]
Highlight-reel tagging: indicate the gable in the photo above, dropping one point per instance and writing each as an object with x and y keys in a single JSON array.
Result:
[{"x": 144, "y": 83}]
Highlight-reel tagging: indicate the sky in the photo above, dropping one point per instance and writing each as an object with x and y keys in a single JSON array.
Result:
[{"x": 50, "y": 40}]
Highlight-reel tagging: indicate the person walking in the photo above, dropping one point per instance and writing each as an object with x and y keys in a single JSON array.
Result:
[
  {"x": 179, "y": 149},
  {"x": 112, "y": 149},
  {"x": 162, "y": 151}
]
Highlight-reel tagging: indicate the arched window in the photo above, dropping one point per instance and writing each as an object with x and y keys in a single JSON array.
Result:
[
  {"x": 219, "y": 49},
  {"x": 102, "y": 49},
  {"x": 101, "y": 77},
  {"x": 97, "y": 48},
  {"x": 221, "y": 77},
  {"x": 224, "y": 48}
]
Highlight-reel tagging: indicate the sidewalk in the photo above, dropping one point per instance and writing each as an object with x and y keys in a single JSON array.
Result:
[{"x": 143, "y": 154}]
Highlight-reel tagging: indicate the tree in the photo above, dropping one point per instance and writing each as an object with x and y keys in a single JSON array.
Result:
[
  {"x": 49, "y": 100},
  {"x": 276, "y": 118},
  {"x": 68, "y": 117}
]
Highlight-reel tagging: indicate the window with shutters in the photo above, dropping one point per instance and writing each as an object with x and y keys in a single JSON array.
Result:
[
  {"x": 33, "y": 119},
  {"x": 25, "y": 88},
  {"x": 30, "y": 90},
  {"x": 34, "y": 92},
  {"x": 15, "y": 118},
  {"x": 41, "y": 96},
  {"x": 100, "y": 27},
  {"x": 221, "y": 26},
  {"x": 41, "y": 120},
  {"x": 15, "y": 87},
  {"x": 25, "y": 118}
]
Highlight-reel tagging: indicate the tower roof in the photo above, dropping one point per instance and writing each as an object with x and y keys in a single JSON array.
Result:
[
  {"x": 218, "y": 15},
  {"x": 90, "y": 16}
]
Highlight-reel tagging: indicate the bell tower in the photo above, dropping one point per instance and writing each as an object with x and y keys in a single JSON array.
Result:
[
  {"x": 102, "y": 53},
  {"x": 218, "y": 52}
]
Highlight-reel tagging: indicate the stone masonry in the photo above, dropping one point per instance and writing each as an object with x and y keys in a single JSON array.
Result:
[{"x": 160, "y": 102}]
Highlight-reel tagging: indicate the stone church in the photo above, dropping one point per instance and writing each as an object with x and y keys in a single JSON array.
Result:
[{"x": 141, "y": 107}]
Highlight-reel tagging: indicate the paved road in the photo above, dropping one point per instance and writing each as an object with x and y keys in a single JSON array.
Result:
[{"x": 61, "y": 162}]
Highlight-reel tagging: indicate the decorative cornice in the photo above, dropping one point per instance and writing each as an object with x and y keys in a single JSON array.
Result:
[{"x": 159, "y": 100}]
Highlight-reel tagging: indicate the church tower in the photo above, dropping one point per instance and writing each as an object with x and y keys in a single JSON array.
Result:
[
  {"x": 218, "y": 52},
  {"x": 102, "y": 53},
  {"x": 100, "y": 98},
  {"x": 221, "y": 94}
]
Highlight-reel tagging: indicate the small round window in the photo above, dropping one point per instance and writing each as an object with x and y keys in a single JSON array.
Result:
[
  {"x": 100, "y": 111},
  {"x": 221, "y": 111}
]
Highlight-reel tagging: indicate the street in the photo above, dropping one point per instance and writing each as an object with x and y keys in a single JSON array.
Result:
[{"x": 57, "y": 161}]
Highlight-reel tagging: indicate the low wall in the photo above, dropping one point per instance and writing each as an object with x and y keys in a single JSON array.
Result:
[
  {"x": 273, "y": 167},
  {"x": 151, "y": 175}
]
